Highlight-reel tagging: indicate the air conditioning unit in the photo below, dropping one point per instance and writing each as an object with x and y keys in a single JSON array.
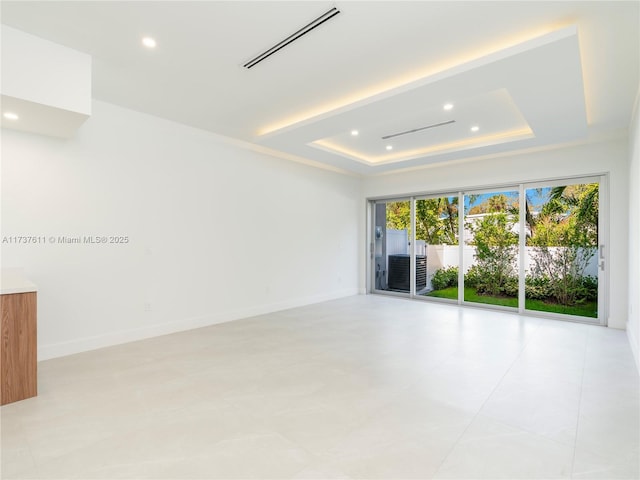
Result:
[{"x": 400, "y": 272}]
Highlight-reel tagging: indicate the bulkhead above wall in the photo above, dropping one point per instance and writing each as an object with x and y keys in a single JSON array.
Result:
[{"x": 46, "y": 87}]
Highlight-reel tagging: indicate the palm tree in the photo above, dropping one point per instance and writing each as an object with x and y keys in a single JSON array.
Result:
[
  {"x": 528, "y": 214},
  {"x": 451, "y": 208},
  {"x": 582, "y": 201}
]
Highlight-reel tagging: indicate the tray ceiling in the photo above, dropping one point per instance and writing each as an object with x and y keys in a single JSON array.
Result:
[{"x": 528, "y": 75}]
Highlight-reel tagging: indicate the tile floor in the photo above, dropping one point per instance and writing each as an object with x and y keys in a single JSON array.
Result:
[{"x": 362, "y": 387}]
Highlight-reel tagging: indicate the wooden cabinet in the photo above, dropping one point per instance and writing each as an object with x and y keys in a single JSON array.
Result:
[{"x": 18, "y": 348}]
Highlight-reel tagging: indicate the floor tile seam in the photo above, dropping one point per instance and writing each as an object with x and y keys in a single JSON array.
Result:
[
  {"x": 498, "y": 383},
  {"x": 528, "y": 430},
  {"x": 519, "y": 431},
  {"x": 584, "y": 366},
  {"x": 234, "y": 436},
  {"x": 89, "y": 414},
  {"x": 113, "y": 435},
  {"x": 43, "y": 463},
  {"x": 315, "y": 457},
  {"x": 244, "y": 435},
  {"x": 602, "y": 455},
  {"x": 385, "y": 405},
  {"x": 519, "y": 427},
  {"x": 357, "y": 425},
  {"x": 94, "y": 467},
  {"x": 168, "y": 460}
]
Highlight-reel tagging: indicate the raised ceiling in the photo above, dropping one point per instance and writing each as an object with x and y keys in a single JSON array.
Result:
[{"x": 526, "y": 74}]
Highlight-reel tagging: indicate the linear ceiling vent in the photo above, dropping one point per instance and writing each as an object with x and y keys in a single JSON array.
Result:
[
  {"x": 418, "y": 129},
  {"x": 293, "y": 37}
]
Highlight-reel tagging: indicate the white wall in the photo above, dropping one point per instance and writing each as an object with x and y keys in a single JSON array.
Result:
[
  {"x": 215, "y": 232},
  {"x": 633, "y": 325},
  {"x": 604, "y": 157}
]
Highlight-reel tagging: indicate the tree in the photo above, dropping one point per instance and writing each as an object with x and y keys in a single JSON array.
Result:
[
  {"x": 496, "y": 251},
  {"x": 428, "y": 225},
  {"x": 398, "y": 215},
  {"x": 529, "y": 218},
  {"x": 581, "y": 202},
  {"x": 451, "y": 207},
  {"x": 495, "y": 203},
  {"x": 568, "y": 218},
  {"x": 436, "y": 219}
]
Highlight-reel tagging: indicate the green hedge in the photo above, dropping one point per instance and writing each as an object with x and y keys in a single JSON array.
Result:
[
  {"x": 537, "y": 288},
  {"x": 445, "y": 278}
]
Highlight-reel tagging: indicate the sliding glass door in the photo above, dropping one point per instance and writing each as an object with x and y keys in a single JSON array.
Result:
[
  {"x": 392, "y": 236},
  {"x": 534, "y": 247},
  {"x": 436, "y": 245},
  {"x": 490, "y": 250},
  {"x": 562, "y": 258}
]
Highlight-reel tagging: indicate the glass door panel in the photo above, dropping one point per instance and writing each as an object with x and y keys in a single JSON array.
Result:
[
  {"x": 490, "y": 252},
  {"x": 537, "y": 247},
  {"x": 391, "y": 246},
  {"x": 561, "y": 253},
  {"x": 436, "y": 247}
]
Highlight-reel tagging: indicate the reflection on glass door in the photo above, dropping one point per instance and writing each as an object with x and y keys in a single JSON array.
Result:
[
  {"x": 391, "y": 249},
  {"x": 437, "y": 246},
  {"x": 491, "y": 238},
  {"x": 561, "y": 259}
]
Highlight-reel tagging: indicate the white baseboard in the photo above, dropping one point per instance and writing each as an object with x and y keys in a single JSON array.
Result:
[
  {"x": 633, "y": 341},
  {"x": 46, "y": 352}
]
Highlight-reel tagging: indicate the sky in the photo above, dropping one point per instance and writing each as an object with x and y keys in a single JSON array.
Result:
[{"x": 537, "y": 197}]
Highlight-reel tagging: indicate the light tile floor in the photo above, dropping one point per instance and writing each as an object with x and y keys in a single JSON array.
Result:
[{"x": 362, "y": 387}]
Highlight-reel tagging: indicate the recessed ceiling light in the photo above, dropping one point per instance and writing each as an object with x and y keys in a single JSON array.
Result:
[
  {"x": 149, "y": 42},
  {"x": 355, "y": 133},
  {"x": 10, "y": 116},
  {"x": 475, "y": 128},
  {"x": 448, "y": 106},
  {"x": 389, "y": 147}
]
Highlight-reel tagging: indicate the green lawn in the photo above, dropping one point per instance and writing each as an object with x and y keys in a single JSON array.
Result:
[
  {"x": 588, "y": 309},
  {"x": 451, "y": 292}
]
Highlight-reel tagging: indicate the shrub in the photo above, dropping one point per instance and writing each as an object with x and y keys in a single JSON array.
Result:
[
  {"x": 445, "y": 278},
  {"x": 580, "y": 289},
  {"x": 590, "y": 287},
  {"x": 472, "y": 277},
  {"x": 510, "y": 287},
  {"x": 564, "y": 268},
  {"x": 538, "y": 288},
  {"x": 496, "y": 252}
]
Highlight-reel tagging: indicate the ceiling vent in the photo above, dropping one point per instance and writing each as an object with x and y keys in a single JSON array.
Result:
[
  {"x": 386, "y": 137},
  {"x": 293, "y": 37}
]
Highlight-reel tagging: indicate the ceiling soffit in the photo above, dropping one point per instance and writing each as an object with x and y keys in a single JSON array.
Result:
[{"x": 526, "y": 95}]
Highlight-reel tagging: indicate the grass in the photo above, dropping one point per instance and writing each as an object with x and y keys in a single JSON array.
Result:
[{"x": 587, "y": 309}]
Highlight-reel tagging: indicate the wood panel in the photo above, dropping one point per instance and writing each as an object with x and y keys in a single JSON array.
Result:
[{"x": 18, "y": 347}]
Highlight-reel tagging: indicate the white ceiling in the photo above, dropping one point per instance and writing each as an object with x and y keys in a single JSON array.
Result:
[{"x": 529, "y": 74}]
